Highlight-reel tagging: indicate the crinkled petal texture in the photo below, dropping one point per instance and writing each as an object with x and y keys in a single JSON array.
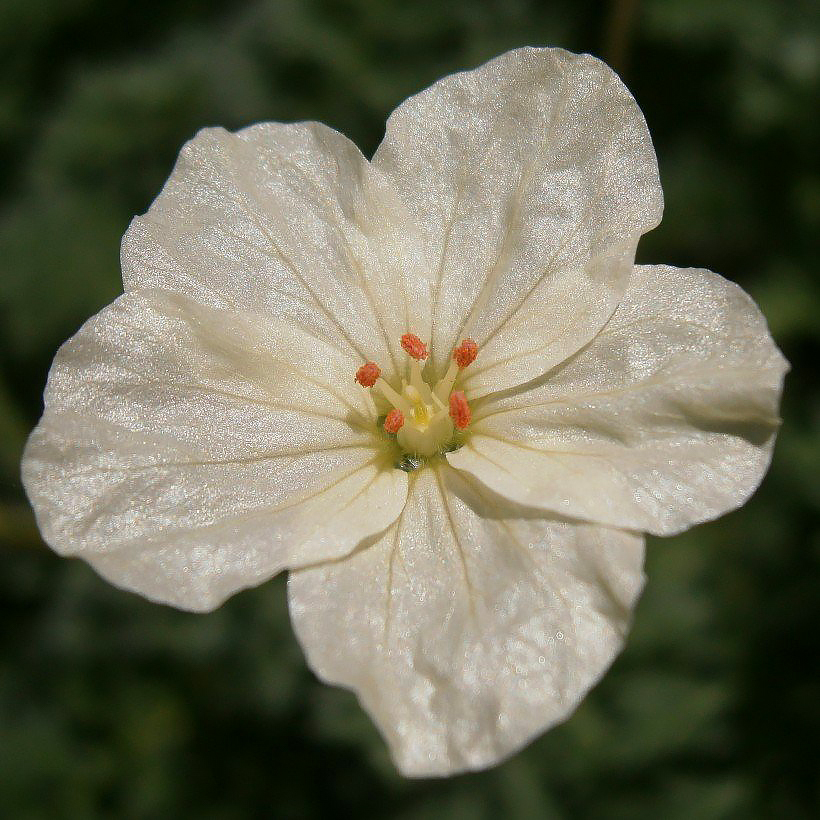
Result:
[
  {"x": 204, "y": 431},
  {"x": 188, "y": 452},
  {"x": 290, "y": 222},
  {"x": 471, "y": 625},
  {"x": 532, "y": 179},
  {"x": 666, "y": 419}
]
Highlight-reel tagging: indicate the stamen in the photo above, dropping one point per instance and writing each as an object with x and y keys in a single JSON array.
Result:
[
  {"x": 393, "y": 397},
  {"x": 422, "y": 419},
  {"x": 418, "y": 382},
  {"x": 463, "y": 356},
  {"x": 367, "y": 374},
  {"x": 413, "y": 346},
  {"x": 394, "y": 421},
  {"x": 465, "y": 353},
  {"x": 459, "y": 409},
  {"x": 444, "y": 386}
]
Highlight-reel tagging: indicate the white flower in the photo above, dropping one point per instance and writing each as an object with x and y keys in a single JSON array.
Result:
[{"x": 471, "y": 573}]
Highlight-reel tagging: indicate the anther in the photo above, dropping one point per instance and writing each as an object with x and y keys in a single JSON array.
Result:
[
  {"x": 394, "y": 421},
  {"x": 413, "y": 346},
  {"x": 368, "y": 374},
  {"x": 465, "y": 353},
  {"x": 459, "y": 409}
]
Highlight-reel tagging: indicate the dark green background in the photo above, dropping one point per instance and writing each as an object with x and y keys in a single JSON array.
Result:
[{"x": 113, "y": 707}]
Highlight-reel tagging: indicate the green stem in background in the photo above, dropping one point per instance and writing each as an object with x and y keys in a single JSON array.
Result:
[{"x": 620, "y": 23}]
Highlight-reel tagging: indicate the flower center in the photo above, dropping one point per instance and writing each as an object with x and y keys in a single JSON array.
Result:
[{"x": 423, "y": 418}]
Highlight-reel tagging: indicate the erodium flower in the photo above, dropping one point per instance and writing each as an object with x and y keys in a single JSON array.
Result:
[{"x": 433, "y": 385}]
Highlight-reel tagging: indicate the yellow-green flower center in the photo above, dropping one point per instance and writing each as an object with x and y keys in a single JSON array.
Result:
[{"x": 423, "y": 418}]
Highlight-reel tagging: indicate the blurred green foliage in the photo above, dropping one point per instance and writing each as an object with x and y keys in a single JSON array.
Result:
[{"x": 113, "y": 707}]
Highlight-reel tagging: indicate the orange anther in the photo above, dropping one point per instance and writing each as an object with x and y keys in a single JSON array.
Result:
[
  {"x": 367, "y": 374},
  {"x": 465, "y": 353},
  {"x": 459, "y": 409},
  {"x": 394, "y": 421},
  {"x": 414, "y": 346}
]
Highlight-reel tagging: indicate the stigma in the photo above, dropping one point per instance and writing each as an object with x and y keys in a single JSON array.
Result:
[{"x": 423, "y": 416}]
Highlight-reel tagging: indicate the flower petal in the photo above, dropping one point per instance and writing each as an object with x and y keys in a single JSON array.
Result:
[
  {"x": 471, "y": 625},
  {"x": 532, "y": 178},
  {"x": 291, "y": 222},
  {"x": 666, "y": 419},
  {"x": 187, "y": 453}
]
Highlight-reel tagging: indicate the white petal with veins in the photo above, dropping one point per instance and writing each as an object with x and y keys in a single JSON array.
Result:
[
  {"x": 532, "y": 178},
  {"x": 666, "y": 419},
  {"x": 471, "y": 625},
  {"x": 291, "y": 222},
  {"x": 188, "y": 453}
]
